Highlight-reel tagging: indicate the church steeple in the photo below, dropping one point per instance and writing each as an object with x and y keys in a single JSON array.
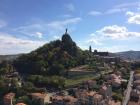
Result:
[{"x": 90, "y": 49}]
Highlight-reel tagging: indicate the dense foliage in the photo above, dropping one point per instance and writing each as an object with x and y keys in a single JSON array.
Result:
[
  {"x": 54, "y": 58},
  {"x": 41, "y": 81}
]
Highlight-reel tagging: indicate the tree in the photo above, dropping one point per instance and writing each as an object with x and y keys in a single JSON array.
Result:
[
  {"x": 117, "y": 97},
  {"x": 25, "y": 99},
  {"x": 56, "y": 69},
  {"x": 36, "y": 102},
  {"x": 6, "y": 67},
  {"x": 3, "y": 88}
]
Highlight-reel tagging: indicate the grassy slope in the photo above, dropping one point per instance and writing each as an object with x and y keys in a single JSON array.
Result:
[{"x": 79, "y": 79}]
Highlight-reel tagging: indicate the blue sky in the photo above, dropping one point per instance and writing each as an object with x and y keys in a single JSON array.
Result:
[{"x": 106, "y": 25}]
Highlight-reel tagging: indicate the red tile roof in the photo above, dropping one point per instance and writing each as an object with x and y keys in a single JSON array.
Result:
[
  {"x": 38, "y": 95},
  {"x": 9, "y": 96},
  {"x": 20, "y": 104}
]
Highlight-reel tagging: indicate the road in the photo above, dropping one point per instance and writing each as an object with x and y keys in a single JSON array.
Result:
[{"x": 129, "y": 89}]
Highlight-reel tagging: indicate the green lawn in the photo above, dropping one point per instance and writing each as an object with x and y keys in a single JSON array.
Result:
[{"x": 79, "y": 79}]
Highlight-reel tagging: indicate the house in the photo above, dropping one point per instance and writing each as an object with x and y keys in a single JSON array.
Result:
[
  {"x": 109, "y": 59},
  {"x": 114, "y": 80},
  {"x": 138, "y": 87},
  {"x": 105, "y": 57},
  {"x": 86, "y": 97},
  {"x": 136, "y": 83},
  {"x": 82, "y": 97},
  {"x": 57, "y": 100},
  {"x": 8, "y": 99},
  {"x": 98, "y": 100},
  {"x": 133, "y": 103},
  {"x": 100, "y": 53},
  {"x": 63, "y": 100},
  {"x": 135, "y": 95},
  {"x": 137, "y": 77},
  {"x": 89, "y": 84},
  {"x": 43, "y": 97},
  {"x": 106, "y": 91},
  {"x": 89, "y": 98}
]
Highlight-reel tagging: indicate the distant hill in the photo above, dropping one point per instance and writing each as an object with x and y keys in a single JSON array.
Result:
[
  {"x": 129, "y": 55},
  {"x": 9, "y": 57}
]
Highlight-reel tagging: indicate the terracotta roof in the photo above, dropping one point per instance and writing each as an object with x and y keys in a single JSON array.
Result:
[
  {"x": 133, "y": 103},
  {"x": 38, "y": 95},
  {"x": 98, "y": 97},
  {"x": 137, "y": 81},
  {"x": 113, "y": 76},
  {"x": 91, "y": 93},
  {"x": 20, "y": 104},
  {"x": 57, "y": 98},
  {"x": 104, "y": 87},
  {"x": 9, "y": 96},
  {"x": 138, "y": 74},
  {"x": 65, "y": 98},
  {"x": 70, "y": 98}
]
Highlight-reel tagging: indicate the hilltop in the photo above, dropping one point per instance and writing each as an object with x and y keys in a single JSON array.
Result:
[
  {"x": 53, "y": 58},
  {"x": 128, "y": 55}
]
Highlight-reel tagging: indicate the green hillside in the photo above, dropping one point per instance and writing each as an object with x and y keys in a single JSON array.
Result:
[{"x": 53, "y": 58}]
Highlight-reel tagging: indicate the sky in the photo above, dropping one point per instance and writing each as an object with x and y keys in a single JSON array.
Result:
[{"x": 106, "y": 25}]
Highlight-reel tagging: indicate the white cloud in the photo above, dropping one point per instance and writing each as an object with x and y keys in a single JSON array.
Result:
[
  {"x": 133, "y": 17},
  {"x": 114, "y": 48},
  {"x": 127, "y": 5},
  {"x": 138, "y": 7},
  {"x": 39, "y": 34},
  {"x": 92, "y": 34},
  {"x": 109, "y": 11},
  {"x": 3, "y": 23},
  {"x": 94, "y": 13},
  {"x": 56, "y": 37},
  {"x": 32, "y": 30},
  {"x": 94, "y": 41},
  {"x": 61, "y": 24},
  {"x": 117, "y": 32},
  {"x": 115, "y": 10},
  {"x": 121, "y": 8},
  {"x": 49, "y": 28},
  {"x": 66, "y": 16},
  {"x": 70, "y": 7},
  {"x": 11, "y": 45},
  {"x": 129, "y": 13}
]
